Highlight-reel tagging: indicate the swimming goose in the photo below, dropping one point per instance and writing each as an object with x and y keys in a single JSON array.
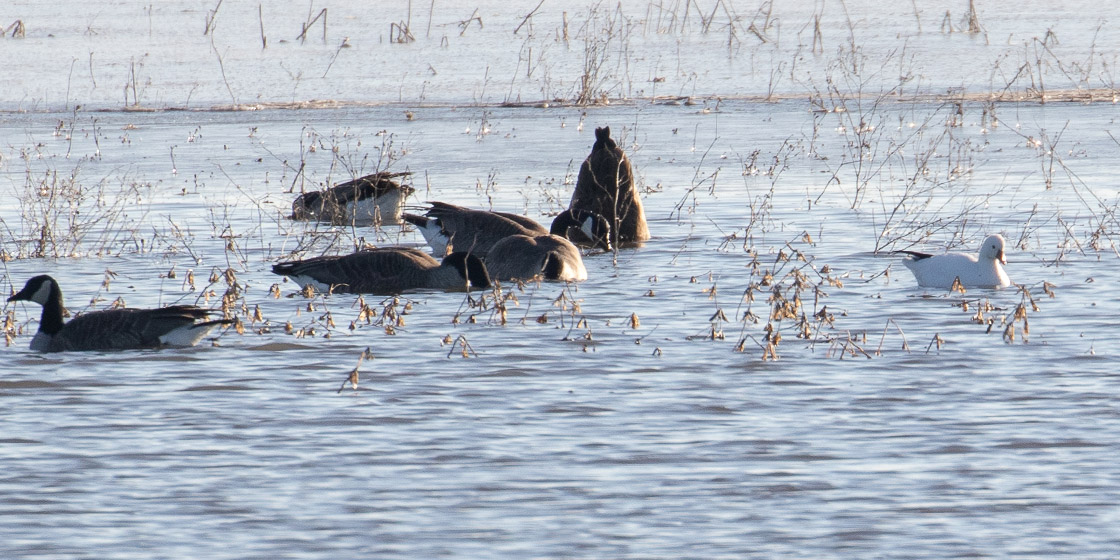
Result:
[
  {"x": 371, "y": 200},
  {"x": 584, "y": 228},
  {"x": 465, "y": 229},
  {"x": 387, "y": 270},
  {"x": 984, "y": 270},
  {"x": 111, "y": 329},
  {"x": 605, "y": 186},
  {"x": 523, "y": 257}
]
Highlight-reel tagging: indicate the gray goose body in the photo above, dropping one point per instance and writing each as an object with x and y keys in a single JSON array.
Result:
[
  {"x": 523, "y": 257},
  {"x": 605, "y": 186},
  {"x": 112, "y": 329},
  {"x": 982, "y": 270},
  {"x": 387, "y": 270},
  {"x": 370, "y": 200},
  {"x": 466, "y": 229}
]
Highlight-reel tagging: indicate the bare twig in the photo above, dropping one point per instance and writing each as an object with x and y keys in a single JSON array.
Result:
[{"x": 526, "y": 18}]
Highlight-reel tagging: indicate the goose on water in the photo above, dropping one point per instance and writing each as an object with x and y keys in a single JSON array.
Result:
[
  {"x": 466, "y": 229},
  {"x": 524, "y": 257},
  {"x": 112, "y": 329},
  {"x": 370, "y": 200},
  {"x": 387, "y": 270},
  {"x": 605, "y": 186},
  {"x": 982, "y": 270}
]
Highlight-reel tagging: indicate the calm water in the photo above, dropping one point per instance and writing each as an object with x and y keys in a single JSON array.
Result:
[{"x": 568, "y": 429}]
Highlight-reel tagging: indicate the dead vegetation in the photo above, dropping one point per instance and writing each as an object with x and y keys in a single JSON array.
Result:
[{"x": 901, "y": 157}]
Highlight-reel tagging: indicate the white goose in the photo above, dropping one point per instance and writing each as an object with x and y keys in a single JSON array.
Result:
[
  {"x": 111, "y": 329},
  {"x": 983, "y": 270}
]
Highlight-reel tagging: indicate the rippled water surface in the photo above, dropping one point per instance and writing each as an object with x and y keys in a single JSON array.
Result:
[{"x": 667, "y": 407}]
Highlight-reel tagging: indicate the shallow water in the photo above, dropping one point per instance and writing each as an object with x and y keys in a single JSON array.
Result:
[{"x": 569, "y": 431}]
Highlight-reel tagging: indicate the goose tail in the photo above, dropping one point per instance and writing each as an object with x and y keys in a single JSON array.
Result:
[{"x": 190, "y": 335}]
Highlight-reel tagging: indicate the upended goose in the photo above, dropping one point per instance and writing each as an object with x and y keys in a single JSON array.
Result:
[
  {"x": 605, "y": 186},
  {"x": 370, "y": 200},
  {"x": 112, "y": 329},
  {"x": 466, "y": 229},
  {"x": 387, "y": 270},
  {"x": 984, "y": 270},
  {"x": 524, "y": 257}
]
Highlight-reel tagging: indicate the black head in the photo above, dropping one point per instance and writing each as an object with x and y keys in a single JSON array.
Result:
[
  {"x": 583, "y": 227},
  {"x": 600, "y": 229},
  {"x": 39, "y": 289},
  {"x": 306, "y": 204},
  {"x": 603, "y": 139},
  {"x": 562, "y": 222},
  {"x": 470, "y": 267}
]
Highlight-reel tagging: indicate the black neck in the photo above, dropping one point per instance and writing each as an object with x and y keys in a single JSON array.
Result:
[{"x": 51, "y": 320}]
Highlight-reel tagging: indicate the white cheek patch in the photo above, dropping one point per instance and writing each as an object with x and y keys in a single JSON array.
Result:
[
  {"x": 588, "y": 227},
  {"x": 42, "y": 294}
]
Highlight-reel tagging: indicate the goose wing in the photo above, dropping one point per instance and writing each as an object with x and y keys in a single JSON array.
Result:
[
  {"x": 529, "y": 224},
  {"x": 116, "y": 329},
  {"x": 915, "y": 254},
  {"x": 522, "y": 257},
  {"x": 369, "y": 186},
  {"x": 517, "y": 257},
  {"x": 332, "y": 200},
  {"x": 385, "y": 270},
  {"x": 478, "y": 230}
]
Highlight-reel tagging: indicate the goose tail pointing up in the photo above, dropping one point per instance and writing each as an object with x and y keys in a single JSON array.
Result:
[{"x": 432, "y": 230}]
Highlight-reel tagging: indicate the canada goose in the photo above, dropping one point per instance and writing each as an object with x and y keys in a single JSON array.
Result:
[
  {"x": 465, "y": 229},
  {"x": 111, "y": 329},
  {"x": 371, "y": 200},
  {"x": 584, "y": 228},
  {"x": 387, "y": 270},
  {"x": 984, "y": 270},
  {"x": 523, "y": 257},
  {"x": 605, "y": 186}
]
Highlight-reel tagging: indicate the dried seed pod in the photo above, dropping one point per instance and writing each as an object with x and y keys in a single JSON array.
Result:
[{"x": 957, "y": 286}]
